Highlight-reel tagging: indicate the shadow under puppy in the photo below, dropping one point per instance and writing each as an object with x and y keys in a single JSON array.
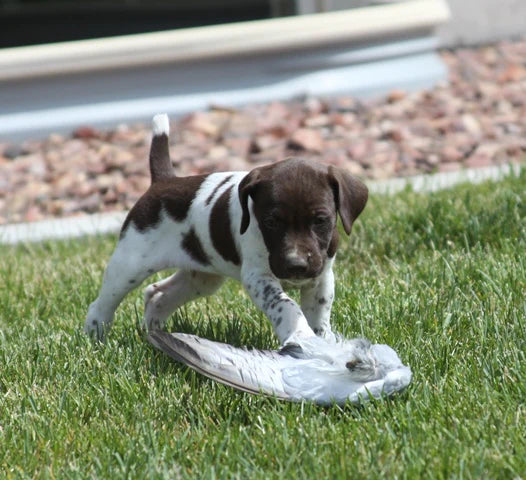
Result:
[{"x": 271, "y": 228}]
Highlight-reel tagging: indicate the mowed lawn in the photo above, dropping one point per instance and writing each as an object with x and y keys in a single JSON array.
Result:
[{"x": 441, "y": 278}]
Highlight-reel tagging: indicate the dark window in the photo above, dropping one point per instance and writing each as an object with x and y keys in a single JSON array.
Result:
[{"x": 28, "y": 22}]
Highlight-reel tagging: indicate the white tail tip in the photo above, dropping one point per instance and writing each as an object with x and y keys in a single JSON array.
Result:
[{"x": 161, "y": 124}]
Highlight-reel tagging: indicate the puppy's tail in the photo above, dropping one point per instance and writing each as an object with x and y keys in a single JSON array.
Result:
[{"x": 160, "y": 163}]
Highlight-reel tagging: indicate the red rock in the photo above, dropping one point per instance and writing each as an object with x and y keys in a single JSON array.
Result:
[
  {"x": 478, "y": 160},
  {"x": 115, "y": 158},
  {"x": 432, "y": 159},
  {"x": 345, "y": 104},
  {"x": 110, "y": 197},
  {"x": 240, "y": 146},
  {"x": 488, "y": 149},
  {"x": 382, "y": 172},
  {"x": 89, "y": 204},
  {"x": 235, "y": 164},
  {"x": 218, "y": 152},
  {"x": 450, "y": 154},
  {"x": 343, "y": 119},
  {"x": 337, "y": 158},
  {"x": 33, "y": 214},
  {"x": 240, "y": 125},
  {"x": 203, "y": 123},
  {"x": 56, "y": 207},
  {"x": 264, "y": 142},
  {"x": 396, "y": 134},
  {"x": 197, "y": 139},
  {"x": 354, "y": 168},
  {"x": 316, "y": 121},
  {"x": 471, "y": 124},
  {"x": 315, "y": 105},
  {"x": 306, "y": 139},
  {"x": 56, "y": 140},
  {"x": 513, "y": 73},
  {"x": 449, "y": 167},
  {"x": 121, "y": 186},
  {"x": 360, "y": 149},
  {"x": 269, "y": 155},
  {"x": 396, "y": 95},
  {"x": 69, "y": 147},
  {"x": 282, "y": 130},
  {"x": 140, "y": 184},
  {"x": 85, "y": 133},
  {"x": 277, "y": 110}
]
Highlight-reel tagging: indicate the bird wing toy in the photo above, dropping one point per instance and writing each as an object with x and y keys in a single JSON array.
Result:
[{"x": 313, "y": 369}]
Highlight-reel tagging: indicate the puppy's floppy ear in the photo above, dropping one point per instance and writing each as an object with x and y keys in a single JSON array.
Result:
[
  {"x": 245, "y": 189},
  {"x": 350, "y": 195}
]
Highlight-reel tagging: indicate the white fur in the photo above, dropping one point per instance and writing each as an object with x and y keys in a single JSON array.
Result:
[{"x": 161, "y": 124}]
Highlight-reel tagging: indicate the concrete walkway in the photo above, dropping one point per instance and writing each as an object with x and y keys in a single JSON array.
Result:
[{"x": 104, "y": 223}]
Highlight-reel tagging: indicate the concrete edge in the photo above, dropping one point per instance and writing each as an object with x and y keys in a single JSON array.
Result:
[
  {"x": 441, "y": 181},
  {"x": 104, "y": 223},
  {"x": 243, "y": 38},
  {"x": 416, "y": 70}
]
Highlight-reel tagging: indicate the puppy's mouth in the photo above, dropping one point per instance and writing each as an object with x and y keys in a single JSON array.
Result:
[
  {"x": 295, "y": 282},
  {"x": 293, "y": 273}
]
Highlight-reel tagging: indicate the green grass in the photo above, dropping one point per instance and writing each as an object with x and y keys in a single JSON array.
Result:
[{"x": 441, "y": 278}]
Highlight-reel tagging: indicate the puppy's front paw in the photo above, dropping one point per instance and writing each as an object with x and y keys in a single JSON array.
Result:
[
  {"x": 326, "y": 334},
  {"x": 149, "y": 292},
  {"x": 94, "y": 324},
  {"x": 154, "y": 317}
]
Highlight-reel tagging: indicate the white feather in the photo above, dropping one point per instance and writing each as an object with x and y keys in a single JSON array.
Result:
[{"x": 313, "y": 369}]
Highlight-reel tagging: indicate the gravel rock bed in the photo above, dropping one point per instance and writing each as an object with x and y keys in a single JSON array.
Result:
[{"x": 478, "y": 119}]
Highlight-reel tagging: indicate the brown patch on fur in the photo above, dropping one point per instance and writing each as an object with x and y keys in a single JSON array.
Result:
[
  {"x": 296, "y": 203},
  {"x": 160, "y": 163},
  {"x": 221, "y": 229},
  {"x": 175, "y": 195},
  {"x": 350, "y": 195},
  {"x": 218, "y": 186},
  {"x": 192, "y": 245},
  {"x": 333, "y": 245}
]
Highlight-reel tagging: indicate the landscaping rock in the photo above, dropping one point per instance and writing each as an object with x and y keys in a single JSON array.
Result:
[
  {"x": 306, "y": 139},
  {"x": 477, "y": 119}
]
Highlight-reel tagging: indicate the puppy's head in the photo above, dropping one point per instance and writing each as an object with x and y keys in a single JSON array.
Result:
[{"x": 296, "y": 203}]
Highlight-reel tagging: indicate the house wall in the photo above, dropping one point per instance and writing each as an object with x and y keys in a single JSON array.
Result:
[
  {"x": 483, "y": 21},
  {"x": 472, "y": 21}
]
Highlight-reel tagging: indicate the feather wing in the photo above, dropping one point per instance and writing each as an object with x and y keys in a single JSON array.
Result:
[
  {"x": 314, "y": 369},
  {"x": 252, "y": 371}
]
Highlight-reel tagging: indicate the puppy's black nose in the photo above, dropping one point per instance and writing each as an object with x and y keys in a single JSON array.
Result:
[{"x": 296, "y": 265}]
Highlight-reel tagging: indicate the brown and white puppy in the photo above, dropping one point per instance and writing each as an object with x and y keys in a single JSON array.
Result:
[{"x": 270, "y": 228}]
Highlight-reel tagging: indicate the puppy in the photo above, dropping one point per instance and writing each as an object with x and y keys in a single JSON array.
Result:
[{"x": 271, "y": 228}]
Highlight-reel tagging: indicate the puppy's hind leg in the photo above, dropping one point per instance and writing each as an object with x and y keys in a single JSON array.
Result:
[
  {"x": 124, "y": 272},
  {"x": 162, "y": 298}
]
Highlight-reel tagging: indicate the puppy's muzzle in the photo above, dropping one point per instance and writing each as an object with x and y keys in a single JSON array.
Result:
[{"x": 295, "y": 265}]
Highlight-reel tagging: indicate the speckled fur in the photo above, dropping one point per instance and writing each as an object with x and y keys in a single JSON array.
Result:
[{"x": 219, "y": 225}]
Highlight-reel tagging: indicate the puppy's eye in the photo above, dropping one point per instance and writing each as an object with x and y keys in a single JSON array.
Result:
[
  {"x": 320, "y": 220},
  {"x": 272, "y": 222}
]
